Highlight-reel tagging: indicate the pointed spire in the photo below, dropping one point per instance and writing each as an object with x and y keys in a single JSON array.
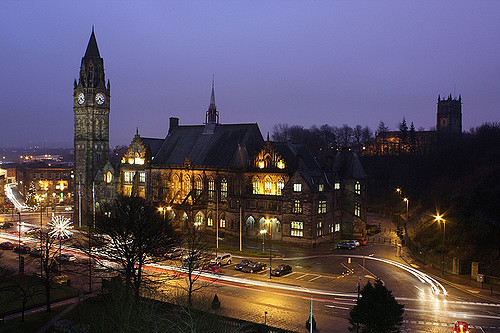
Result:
[
  {"x": 212, "y": 97},
  {"x": 439, "y": 97},
  {"x": 92, "y": 49},
  {"x": 137, "y": 130},
  {"x": 267, "y": 136}
]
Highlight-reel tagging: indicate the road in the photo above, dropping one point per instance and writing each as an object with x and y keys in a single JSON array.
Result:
[{"x": 431, "y": 305}]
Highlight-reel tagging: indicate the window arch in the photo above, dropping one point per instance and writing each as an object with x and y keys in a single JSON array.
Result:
[
  {"x": 187, "y": 184},
  {"x": 198, "y": 219},
  {"x": 250, "y": 223},
  {"x": 199, "y": 185},
  {"x": 176, "y": 183},
  {"x": 223, "y": 189},
  {"x": 256, "y": 185},
  {"x": 222, "y": 221},
  {"x": 279, "y": 186},
  {"x": 211, "y": 188},
  {"x": 268, "y": 186},
  {"x": 357, "y": 187},
  {"x": 210, "y": 219}
]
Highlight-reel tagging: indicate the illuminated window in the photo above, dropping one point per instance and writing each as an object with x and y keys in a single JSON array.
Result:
[
  {"x": 297, "y": 207},
  {"x": 109, "y": 177},
  {"x": 337, "y": 227},
  {"x": 268, "y": 186},
  {"x": 187, "y": 184},
  {"x": 279, "y": 186},
  {"x": 198, "y": 218},
  {"x": 210, "y": 220},
  {"x": 255, "y": 184},
  {"x": 128, "y": 176},
  {"x": 211, "y": 189},
  {"x": 357, "y": 188},
  {"x": 297, "y": 187},
  {"x": 357, "y": 209},
  {"x": 222, "y": 223},
  {"x": 297, "y": 229},
  {"x": 280, "y": 164},
  {"x": 321, "y": 187},
  {"x": 138, "y": 160},
  {"x": 142, "y": 177},
  {"x": 322, "y": 207},
  {"x": 199, "y": 186},
  {"x": 319, "y": 228},
  {"x": 223, "y": 189},
  {"x": 337, "y": 186}
]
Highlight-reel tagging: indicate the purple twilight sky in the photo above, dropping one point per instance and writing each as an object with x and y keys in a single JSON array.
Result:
[{"x": 295, "y": 62}]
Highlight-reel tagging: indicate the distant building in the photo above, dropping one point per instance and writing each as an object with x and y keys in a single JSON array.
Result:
[{"x": 448, "y": 127}]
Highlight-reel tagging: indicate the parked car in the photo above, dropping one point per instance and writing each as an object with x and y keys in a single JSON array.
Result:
[
  {"x": 461, "y": 327},
  {"x": 5, "y": 225},
  {"x": 191, "y": 255},
  {"x": 174, "y": 252},
  {"x": 222, "y": 259},
  {"x": 242, "y": 264},
  {"x": 254, "y": 267},
  {"x": 23, "y": 249},
  {"x": 345, "y": 245},
  {"x": 281, "y": 270},
  {"x": 66, "y": 257},
  {"x": 361, "y": 241},
  {"x": 32, "y": 231},
  {"x": 354, "y": 242},
  {"x": 7, "y": 246},
  {"x": 214, "y": 268}
]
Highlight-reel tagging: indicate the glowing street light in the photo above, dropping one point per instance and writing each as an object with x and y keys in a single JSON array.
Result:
[
  {"x": 60, "y": 228},
  {"x": 263, "y": 232},
  {"x": 406, "y": 221},
  {"x": 439, "y": 218}
]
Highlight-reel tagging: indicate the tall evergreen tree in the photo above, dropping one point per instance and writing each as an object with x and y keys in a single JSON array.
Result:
[
  {"x": 377, "y": 311},
  {"x": 403, "y": 136}
]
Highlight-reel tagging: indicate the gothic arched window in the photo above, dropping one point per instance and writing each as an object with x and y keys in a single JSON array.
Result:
[
  {"x": 199, "y": 185},
  {"x": 223, "y": 189},
  {"x": 256, "y": 185},
  {"x": 211, "y": 188},
  {"x": 279, "y": 186},
  {"x": 268, "y": 186},
  {"x": 198, "y": 219}
]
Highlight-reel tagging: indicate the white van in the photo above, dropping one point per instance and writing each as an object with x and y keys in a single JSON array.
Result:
[{"x": 222, "y": 259}]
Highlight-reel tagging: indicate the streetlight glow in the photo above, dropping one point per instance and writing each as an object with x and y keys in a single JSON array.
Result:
[{"x": 61, "y": 227}]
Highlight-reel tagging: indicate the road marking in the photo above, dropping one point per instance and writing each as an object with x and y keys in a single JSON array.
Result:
[
  {"x": 317, "y": 277},
  {"x": 301, "y": 276},
  {"x": 338, "y": 307},
  {"x": 262, "y": 271}
]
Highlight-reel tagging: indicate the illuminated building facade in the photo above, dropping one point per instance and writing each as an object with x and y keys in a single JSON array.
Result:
[{"x": 226, "y": 176}]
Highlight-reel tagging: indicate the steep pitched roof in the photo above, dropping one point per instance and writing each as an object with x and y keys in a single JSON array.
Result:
[
  {"x": 154, "y": 144},
  {"x": 214, "y": 148},
  {"x": 92, "y": 49},
  {"x": 347, "y": 165}
]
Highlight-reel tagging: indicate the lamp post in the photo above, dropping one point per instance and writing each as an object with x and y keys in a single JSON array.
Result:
[
  {"x": 162, "y": 211},
  {"x": 263, "y": 232},
  {"x": 270, "y": 247},
  {"x": 19, "y": 243},
  {"x": 61, "y": 228},
  {"x": 439, "y": 218},
  {"x": 406, "y": 221}
]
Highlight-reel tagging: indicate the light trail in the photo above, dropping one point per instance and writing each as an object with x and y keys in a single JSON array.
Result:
[{"x": 12, "y": 197}]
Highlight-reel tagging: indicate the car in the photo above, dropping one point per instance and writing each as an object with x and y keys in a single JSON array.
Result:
[
  {"x": 353, "y": 241},
  {"x": 461, "y": 327},
  {"x": 14, "y": 232},
  {"x": 6, "y": 225},
  {"x": 191, "y": 255},
  {"x": 361, "y": 241},
  {"x": 174, "y": 252},
  {"x": 281, "y": 270},
  {"x": 23, "y": 249},
  {"x": 32, "y": 231},
  {"x": 61, "y": 279},
  {"x": 222, "y": 259},
  {"x": 214, "y": 268},
  {"x": 345, "y": 245},
  {"x": 7, "y": 246},
  {"x": 254, "y": 267},
  {"x": 66, "y": 257},
  {"x": 242, "y": 264}
]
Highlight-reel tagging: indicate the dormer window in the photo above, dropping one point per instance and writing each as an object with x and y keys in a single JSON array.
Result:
[
  {"x": 337, "y": 186},
  {"x": 357, "y": 188},
  {"x": 297, "y": 187},
  {"x": 321, "y": 187}
]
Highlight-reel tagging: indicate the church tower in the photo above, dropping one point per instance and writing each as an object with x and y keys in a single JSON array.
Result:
[
  {"x": 91, "y": 136},
  {"x": 449, "y": 116}
]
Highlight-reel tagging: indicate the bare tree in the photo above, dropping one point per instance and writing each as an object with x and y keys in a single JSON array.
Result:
[
  {"x": 24, "y": 287},
  {"x": 137, "y": 233},
  {"x": 344, "y": 136}
]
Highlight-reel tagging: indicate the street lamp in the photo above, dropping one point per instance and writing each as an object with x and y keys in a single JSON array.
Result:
[
  {"x": 406, "y": 221},
  {"x": 162, "y": 211},
  {"x": 263, "y": 232},
  {"x": 270, "y": 246},
  {"x": 61, "y": 228},
  {"x": 439, "y": 218}
]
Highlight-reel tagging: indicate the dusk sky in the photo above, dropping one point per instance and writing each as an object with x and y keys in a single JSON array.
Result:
[{"x": 295, "y": 62}]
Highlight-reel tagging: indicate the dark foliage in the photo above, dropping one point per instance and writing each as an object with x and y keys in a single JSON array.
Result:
[{"x": 377, "y": 311}]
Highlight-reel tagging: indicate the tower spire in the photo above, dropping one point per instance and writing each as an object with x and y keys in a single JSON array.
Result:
[
  {"x": 92, "y": 49},
  {"x": 212, "y": 116}
]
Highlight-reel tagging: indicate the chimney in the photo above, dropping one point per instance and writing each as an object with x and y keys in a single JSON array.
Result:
[{"x": 174, "y": 123}]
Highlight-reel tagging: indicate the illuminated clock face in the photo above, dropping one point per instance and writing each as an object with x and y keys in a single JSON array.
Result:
[
  {"x": 81, "y": 98},
  {"x": 99, "y": 98}
]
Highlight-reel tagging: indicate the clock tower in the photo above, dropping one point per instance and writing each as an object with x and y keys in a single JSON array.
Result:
[{"x": 91, "y": 136}]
